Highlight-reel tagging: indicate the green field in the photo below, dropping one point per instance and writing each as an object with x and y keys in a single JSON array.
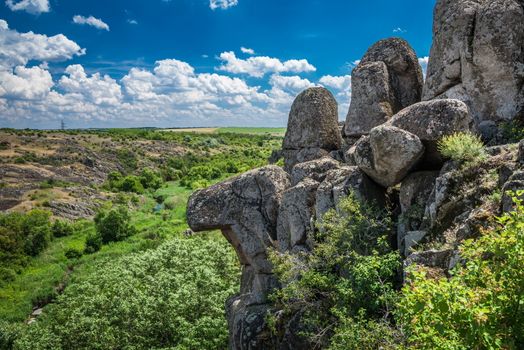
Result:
[{"x": 253, "y": 131}]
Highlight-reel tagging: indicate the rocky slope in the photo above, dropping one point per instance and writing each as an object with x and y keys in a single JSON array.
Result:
[
  {"x": 388, "y": 154},
  {"x": 62, "y": 171}
]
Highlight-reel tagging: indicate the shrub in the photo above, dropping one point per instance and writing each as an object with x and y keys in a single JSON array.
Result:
[
  {"x": 463, "y": 147},
  {"x": 132, "y": 183},
  {"x": 73, "y": 253},
  {"x": 171, "y": 297},
  {"x": 114, "y": 225},
  {"x": 150, "y": 179},
  {"x": 93, "y": 243},
  {"x": 481, "y": 306},
  {"x": 62, "y": 228},
  {"x": 349, "y": 276}
]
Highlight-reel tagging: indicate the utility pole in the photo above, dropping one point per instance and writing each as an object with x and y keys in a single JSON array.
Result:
[{"x": 62, "y": 125}]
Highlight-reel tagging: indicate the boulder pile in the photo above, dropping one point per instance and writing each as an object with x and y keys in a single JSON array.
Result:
[{"x": 475, "y": 81}]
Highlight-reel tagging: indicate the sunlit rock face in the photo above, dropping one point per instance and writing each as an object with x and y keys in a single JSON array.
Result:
[
  {"x": 478, "y": 57},
  {"x": 387, "y": 79}
]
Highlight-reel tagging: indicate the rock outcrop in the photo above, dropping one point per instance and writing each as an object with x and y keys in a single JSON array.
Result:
[
  {"x": 475, "y": 77},
  {"x": 387, "y": 79},
  {"x": 312, "y": 130},
  {"x": 478, "y": 57}
]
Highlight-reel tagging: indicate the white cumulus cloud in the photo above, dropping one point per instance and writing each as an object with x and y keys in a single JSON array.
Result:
[
  {"x": 259, "y": 66},
  {"x": 222, "y": 4},
  {"x": 91, "y": 21},
  {"x": 96, "y": 89},
  {"x": 34, "y": 7},
  {"x": 25, "y": 83},
  {"x": 17, "y": 49},
  {"x": 247, "y": 50}
]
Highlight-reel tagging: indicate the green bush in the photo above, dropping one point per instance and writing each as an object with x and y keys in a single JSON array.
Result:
[
  {"x": 463, "y": 147},
  {"x": 114, "y": 225},
  {"x": 151, "y": 179},
  {"x": 481, "y": 306},
  {"x": 132, "y": 183},
  {"x": 349, "y": 276},
  {"x": 93, "y": 243},
  {"x": 62, "y": 228},
  {"x": 171, "y": 297},
  {"x": 73, "y": 253}
]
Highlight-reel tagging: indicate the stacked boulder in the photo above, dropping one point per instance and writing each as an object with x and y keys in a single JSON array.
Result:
[
  {"x": 390, "y": 156},
  {"x": 387, "y": 79},
  {"x": 313, "y": 130}
]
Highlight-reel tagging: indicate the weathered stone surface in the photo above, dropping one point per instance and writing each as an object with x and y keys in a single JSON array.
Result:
[
  {"x": 387, "y": 79},
  {"x": 520, "y": 156},
  {"x": 246, "y": 210},
  {"x": 295, "y": 225},
  {"x": 253, "y": 198},
  {"x": 414, "y": 193},
  {"x": 477, "y": 57},
  {"x": 404, "y": 70},
  {"x": 431, "y": 120},
  {"x": 411, "y": 239},
  {"x": 313, "y": 121},
  {"x": 388, "y": 154},
  {"x": 294, "y": 157},
  {"x": 339, "y": 183},
  {"x": 315, "y": 169},
  {"x": 372, "y": 99}
]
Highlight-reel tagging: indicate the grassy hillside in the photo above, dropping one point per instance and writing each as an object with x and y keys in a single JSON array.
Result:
[{"x": 102, "y": 170}]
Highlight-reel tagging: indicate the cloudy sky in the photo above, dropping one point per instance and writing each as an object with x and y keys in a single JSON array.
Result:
[{"x": 173, "y": 63}]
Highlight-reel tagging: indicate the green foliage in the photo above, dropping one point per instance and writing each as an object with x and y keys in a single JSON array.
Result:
[
  {"x": 171, "y": 297},
  {"x": 93, "y": 243},
  {"x": 23, "y": 235},
  {"x": 62, "y": 228},
  {"x": 513, "y": 131},
  {"x": 132, "y": 183},
  {"x": 481, "y": 306},
  {"x": 150, "y": 179},
  {"x": 128, "y": 159},
  {"x": 463, "y": 147},
  {"x": 348, "y": 277},
  {"x": 73, "y": 253},
  {"x": 114, "y": 225}
]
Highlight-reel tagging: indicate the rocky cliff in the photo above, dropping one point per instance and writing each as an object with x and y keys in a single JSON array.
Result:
[{"x": 387, "y": 153}]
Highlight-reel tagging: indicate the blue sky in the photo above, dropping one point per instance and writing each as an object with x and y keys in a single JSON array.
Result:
[{"x": 180, "y": 63}]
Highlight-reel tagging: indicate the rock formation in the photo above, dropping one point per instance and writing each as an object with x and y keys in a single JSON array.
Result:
[
  {"x": 475, "y": 77},
  {"x": 312, "y": 130},
  {"x": 387, "y": 79},
  {"x": 478, "y": 57}
]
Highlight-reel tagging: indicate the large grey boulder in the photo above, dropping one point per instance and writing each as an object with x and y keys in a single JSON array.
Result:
[
  {"x": 477, "y": 56},
  {"x": 432, "y": 120},
  {"x": 388, "y": 154},
  {"x": 312, "y": 126},
  {"x": 387, "y": 79},
  {"x": 372, "y": 99}
]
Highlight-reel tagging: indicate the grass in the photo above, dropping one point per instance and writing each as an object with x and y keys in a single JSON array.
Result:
[{"x": 38, "y": 281}]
